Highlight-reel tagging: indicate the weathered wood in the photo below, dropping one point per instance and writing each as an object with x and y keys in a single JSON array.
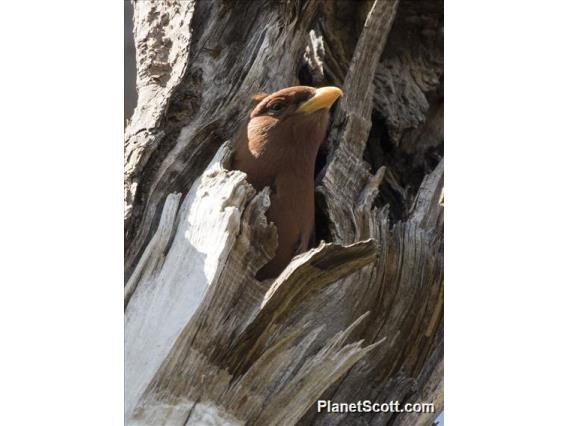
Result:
[
  {"x": 360, "y": 316},
  {"x": 162, "y": 38},
  {"x": 155, "y": 249},
  {"x": 346, "y": 173},
  {"x": 204, "y": 298}
]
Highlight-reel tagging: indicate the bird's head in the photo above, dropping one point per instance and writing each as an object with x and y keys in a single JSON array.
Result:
[{"x": 290, "y": 119}]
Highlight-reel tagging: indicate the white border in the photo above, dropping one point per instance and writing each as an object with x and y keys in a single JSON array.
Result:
[{"x": 61, "y": 305}]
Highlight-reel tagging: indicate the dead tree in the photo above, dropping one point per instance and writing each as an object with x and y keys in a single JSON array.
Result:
[{"x": 360, "y": 316}]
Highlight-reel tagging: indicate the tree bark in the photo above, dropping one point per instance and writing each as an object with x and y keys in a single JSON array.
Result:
[{"x": 360, "y": 316}]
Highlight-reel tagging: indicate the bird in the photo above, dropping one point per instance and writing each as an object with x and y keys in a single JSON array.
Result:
[{"x": 277, "y": 147}]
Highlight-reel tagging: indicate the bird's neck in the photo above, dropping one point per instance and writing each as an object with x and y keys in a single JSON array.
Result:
[{"x": 298, "y": 159}]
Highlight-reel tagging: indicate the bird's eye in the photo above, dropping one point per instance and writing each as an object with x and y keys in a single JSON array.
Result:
[{"x": 276, "y": 107}]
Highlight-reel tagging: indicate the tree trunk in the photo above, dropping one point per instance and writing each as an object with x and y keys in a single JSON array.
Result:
[{"x": 360, "y": 316}]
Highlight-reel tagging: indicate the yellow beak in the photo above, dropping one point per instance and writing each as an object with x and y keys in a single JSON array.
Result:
[{"x": 325, "y": 97}]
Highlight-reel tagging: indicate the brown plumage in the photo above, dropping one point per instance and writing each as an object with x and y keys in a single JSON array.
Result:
[{"x": 277, "y": 148}]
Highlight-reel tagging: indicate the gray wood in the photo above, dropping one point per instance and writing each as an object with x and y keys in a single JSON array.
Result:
[{"x": 360, "y": 316}]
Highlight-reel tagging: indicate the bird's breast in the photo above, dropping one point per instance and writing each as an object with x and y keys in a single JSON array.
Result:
[{"x": 292, "y": 204}]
